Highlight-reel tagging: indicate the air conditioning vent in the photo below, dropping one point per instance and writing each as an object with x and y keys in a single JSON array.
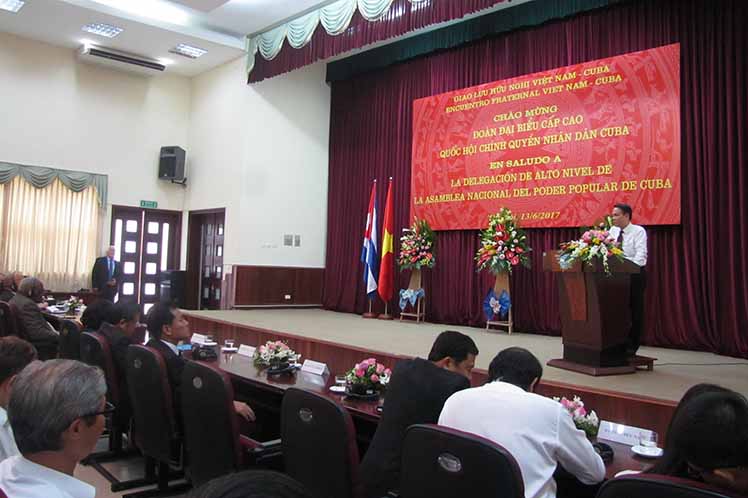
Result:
[{"x": 120, "y": 60}]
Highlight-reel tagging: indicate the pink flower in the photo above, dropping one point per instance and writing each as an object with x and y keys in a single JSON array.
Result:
[
  {"x": 580, "y": 412},
  {"x": 515, "y": 261},
  {"x": 360, "y": 372},
  {"x": 387, "y": 372},
  {"x": 374, "y": 378},
  {"x": 380, "y": 368}
]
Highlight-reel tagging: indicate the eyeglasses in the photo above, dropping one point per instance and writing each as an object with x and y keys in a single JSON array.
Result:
[{"x": 108, "y": 410}]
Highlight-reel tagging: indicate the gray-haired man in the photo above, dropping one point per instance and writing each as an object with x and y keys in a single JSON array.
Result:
[{"x": 57, "y": 413}]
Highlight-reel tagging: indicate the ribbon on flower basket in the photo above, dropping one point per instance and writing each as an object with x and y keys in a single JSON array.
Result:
[
  {"x": 410, "y": 296},
  {"x": 494, "y": 306}
]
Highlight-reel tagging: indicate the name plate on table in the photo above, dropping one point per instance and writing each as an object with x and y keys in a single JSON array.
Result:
[
  {"x": 245, "y": 350},
  {"x": 315, "y": 367},
  {"x": 198, "y": 339},
  {"x": 624, "y": 434}
]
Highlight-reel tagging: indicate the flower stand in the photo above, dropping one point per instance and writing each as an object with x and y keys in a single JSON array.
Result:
[
  {"x": 502, "y": 283},
  {"x": 414, "y": 291}
]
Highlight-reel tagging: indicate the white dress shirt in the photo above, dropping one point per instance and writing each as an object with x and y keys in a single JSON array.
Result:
[
  {"x": 8, "y": 446},
  {"x": 21, "y": 478},
  {"x": 537, "y": 431},
  {"x": 171, "y": 346},
  {"x": 634, "y": 243}
]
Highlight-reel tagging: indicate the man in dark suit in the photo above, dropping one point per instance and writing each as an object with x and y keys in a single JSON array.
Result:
[
  {"x": 415, "y": 395},
  {"x": 167, "y": 327},
  {"x": 106, "y": 275},
  {"x": 26, "y": 303}
]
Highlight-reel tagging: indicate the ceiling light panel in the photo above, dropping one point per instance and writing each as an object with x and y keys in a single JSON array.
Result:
[
  {"x": 106, "y": 30},
  {"x": 11, "y": 5},
  {"x": 188, "y": 51}
]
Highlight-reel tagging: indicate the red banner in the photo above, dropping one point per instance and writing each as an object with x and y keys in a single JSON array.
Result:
[{"x": 558, "y": 148}]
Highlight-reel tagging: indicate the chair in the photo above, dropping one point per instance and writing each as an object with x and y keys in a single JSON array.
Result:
[
  {"x": 438, "y": 462},
  {"x": 211, "y": 429},
  {"x": 44, "y": 350},
  {"x": 155, "y": 424},
  {"x": 7, "y": 322},
  {"x": 319, "y": 445},
  {"x": 70, "y": 337},
  {"x": 660, "y": 486}
]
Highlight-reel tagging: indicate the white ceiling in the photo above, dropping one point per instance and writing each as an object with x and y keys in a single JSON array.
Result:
[{"x": 152, "y": 32}]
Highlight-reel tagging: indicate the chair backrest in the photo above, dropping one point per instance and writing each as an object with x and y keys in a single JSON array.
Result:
[
  {"x": 318, "y": 440},
  {"x": 438, "y": 462},
  {"x": 2, "y": 494},
  {"x": 152, "y": 405},
  {"x": 659, "y": 486},
  {"x": 211, "y": 430},
  {"x": 95, "y": 351},
  {"x": 70, "y": 338},
  {"x": 7, "y": 321}
]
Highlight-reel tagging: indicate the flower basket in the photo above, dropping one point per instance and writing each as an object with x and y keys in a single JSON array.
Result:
[
  {"x": 274, "y": 354},
  {"x": 586, "y": 421},
  {"x": 503, "y": 245},
  {"x": 367, "y": 379},
  {"x": 417, "y": 247},
  {"x": 595, "y": 246}
]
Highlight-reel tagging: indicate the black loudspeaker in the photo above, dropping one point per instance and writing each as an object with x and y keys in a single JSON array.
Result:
[
  {"x": 171, "y": 164},
  {"x": 171, "y": 285}
]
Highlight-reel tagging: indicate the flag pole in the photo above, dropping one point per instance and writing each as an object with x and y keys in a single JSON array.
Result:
[
  {"x": 369, "y": 313},
  {"x": 385, "y": 315}
]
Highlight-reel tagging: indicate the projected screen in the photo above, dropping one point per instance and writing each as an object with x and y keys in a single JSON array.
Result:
[{"x": 558, "y": 148}]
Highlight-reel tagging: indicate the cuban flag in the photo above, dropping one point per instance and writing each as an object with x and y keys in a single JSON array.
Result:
[{"x": 369, "y": 250}]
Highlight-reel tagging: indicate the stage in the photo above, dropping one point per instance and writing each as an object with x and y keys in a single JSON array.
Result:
[{"x": 340, "y": 339}]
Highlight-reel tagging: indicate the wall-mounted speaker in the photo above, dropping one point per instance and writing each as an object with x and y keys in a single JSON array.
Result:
[{"x": 171, "y": 164}]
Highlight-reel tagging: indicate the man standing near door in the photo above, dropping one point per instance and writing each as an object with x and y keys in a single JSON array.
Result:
[{"x": 106, "y": 275}]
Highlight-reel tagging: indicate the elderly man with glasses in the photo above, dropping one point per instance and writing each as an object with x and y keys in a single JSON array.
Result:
[{"x": 57, "y": 411}]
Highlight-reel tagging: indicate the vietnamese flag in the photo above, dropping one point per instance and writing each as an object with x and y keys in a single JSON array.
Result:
[{"x": 386, "y": 268}]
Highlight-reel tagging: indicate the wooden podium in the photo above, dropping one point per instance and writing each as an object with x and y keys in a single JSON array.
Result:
[{"x": 595, "y": 316}]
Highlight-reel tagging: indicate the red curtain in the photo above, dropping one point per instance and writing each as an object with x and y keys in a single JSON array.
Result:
[
  {"x": 697, "y": 295},
  {"x": 403, "y": 17}
]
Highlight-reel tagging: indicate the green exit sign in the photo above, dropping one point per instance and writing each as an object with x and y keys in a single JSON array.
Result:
[{"x": 149, "y": 204}]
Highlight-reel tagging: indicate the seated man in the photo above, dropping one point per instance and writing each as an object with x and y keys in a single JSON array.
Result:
[
  {"x": 95, "y": 315},
  {"x": 119, "y": 328},
  {"x": 707, "y": 440},
  {"x": 415, "y": 395},
  {"x": 57, "y": 410},
  {"x": 26, "y": 300},
  {"x": 15, "y": 354},
  {"x": 167, "y": 327},
  {"x": 537, "y": 431}
]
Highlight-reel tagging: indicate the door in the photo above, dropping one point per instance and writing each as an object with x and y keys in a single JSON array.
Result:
[
  {"x": 147, "y": 242},
  {"x": 205, "y": 259}
]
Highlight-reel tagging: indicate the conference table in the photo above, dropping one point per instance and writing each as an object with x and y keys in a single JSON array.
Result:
[{"x": 264, "y": 393}]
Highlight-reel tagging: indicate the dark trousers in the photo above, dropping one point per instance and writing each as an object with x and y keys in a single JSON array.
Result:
[{"x": 638, "y": 285}]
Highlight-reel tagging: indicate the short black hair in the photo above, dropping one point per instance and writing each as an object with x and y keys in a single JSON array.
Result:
[
  {"x": 159, "y": 315},
  {"x": 123, "y": 311},
  {"x": 96, "y": 314},
  {"x": 625, "y": 208},
  {"x": 452, "y": 344},
  {"x": 15, "y": 354},
  {"x": 516, "y": 366},
  {"x": 252, "y": 484}
]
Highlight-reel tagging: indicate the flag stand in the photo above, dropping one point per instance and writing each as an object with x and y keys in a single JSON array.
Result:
[
  {"x": 385, "y": 315},
  {"x": 369, "y": 314}
]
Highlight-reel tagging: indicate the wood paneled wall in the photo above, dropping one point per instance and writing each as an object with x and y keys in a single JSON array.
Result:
[{"x": 269, "y": 286}]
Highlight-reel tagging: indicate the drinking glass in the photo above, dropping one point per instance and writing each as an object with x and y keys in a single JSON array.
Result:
[
  {"x": 229, "y": 343},
  {"x": 648, "y": 440}
]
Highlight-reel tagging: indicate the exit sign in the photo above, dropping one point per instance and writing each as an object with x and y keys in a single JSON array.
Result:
[{"x": 149, "y": 204}]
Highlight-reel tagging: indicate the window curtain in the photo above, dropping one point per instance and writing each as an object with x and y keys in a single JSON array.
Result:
[{"x": 50, "y": 233}]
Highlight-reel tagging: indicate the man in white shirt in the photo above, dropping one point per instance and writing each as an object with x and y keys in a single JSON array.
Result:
[
  {"x": 15, "y": 354},
  {"x": 633, "y": 241},
  {"x": 537, "y": 431},
  {"x": 57, "y": 411}
]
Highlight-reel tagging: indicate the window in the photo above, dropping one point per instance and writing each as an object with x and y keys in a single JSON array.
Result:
[
  {"x": 130, "y": 246},
  {"x": 153, "y": 227},
  {"x": 128, "y": 288},
  {"x": 132, "y": 226},
  {"x": 150, "y": 268},
  {"x": 151, "y": 248},
  {"x": 149, "y": 289},
  {"x": 129, "y": 268},
  {"x": 164, "y": 246}
]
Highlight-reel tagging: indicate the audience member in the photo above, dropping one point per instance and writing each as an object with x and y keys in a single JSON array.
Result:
[
  {"x": 708, "y": 440},
  {"x": 167, "y": 327},
  {"x": 57, "y": 410},
  {"x": 38, "y": 329},
  {"x": 415, "y": 395},
  {"x": 537, "y": 431},
  {"x": 9, "y": 285},
  {"x": 15, "y": 354},
  {"x": 119, "y": 328},
  {"x": 96, "y": 314},
  {"x": 252, "y": 484}
]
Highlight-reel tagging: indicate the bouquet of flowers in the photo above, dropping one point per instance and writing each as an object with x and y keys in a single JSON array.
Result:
[
  {"x": 368, "y": 377},
  {"x": 417, "y": 247},
  {"x": 274, "y": 354},
  {"x": 503, "y": 245},
  {"x": 584, "y": 420},
  {"x": 594, "y": 244},
  {"x": 74, "y": 303}
]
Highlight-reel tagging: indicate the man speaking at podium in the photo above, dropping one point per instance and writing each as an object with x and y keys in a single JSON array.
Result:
[{"x": 633, "y": 242}]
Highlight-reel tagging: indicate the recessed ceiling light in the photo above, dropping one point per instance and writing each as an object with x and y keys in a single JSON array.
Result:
[
  {"x": 11, "y": 5},
  {"x": 188, "y": 51},
  {"x": 165, "y": 61},
  {"x": 101, "y": 29}
]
